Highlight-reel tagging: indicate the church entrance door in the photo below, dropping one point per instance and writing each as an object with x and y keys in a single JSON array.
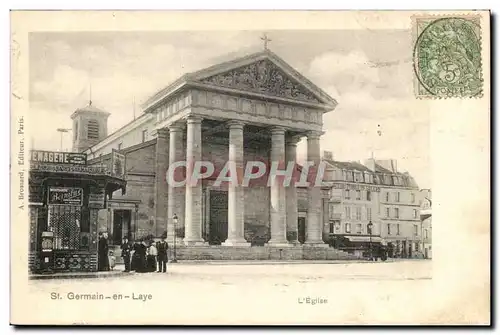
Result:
[
  {"x": 302, "y": 230},
  {"x": 218, "y": 217}
]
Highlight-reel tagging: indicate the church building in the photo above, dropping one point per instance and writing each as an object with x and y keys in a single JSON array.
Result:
[{"x": 255, "y": 108}]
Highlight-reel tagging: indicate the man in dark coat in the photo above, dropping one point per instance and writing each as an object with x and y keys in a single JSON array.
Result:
[
  {"x": 162, "y": 247},
  {"x": 126, "y": 248}
]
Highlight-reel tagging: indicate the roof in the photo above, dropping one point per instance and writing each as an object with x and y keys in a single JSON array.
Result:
[
  {"x": 348, "y": 165},
  {"x": 89, "y": 108},
  {"x": 191, "y": 78}
]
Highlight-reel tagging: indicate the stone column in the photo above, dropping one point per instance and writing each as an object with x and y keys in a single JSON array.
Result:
[
  {"x": 278, "y": 200},
  {"x": 314, "y": 224},
  {"x": 161, "y": 187},
  {"x": 292, "y": 212},
  {"x": 236, "y": 207},
  {"x": 193, "y": 190},
  {"x": 175, "y": 194}
]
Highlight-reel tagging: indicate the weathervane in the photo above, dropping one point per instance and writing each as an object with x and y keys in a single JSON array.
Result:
[{"x": 266, "y": 40}]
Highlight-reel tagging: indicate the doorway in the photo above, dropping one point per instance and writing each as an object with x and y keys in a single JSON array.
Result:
[
  {"x": 218, "y": 217},
  {"x": 121, "y": 225},
  {"x": 301, "y": 230}
]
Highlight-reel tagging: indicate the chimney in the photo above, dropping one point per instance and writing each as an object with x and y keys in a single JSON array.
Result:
[
  {"x": 389, "y": 164},
  {"x": 328, "y": 155},
  {"x": 370, "y": 164}
]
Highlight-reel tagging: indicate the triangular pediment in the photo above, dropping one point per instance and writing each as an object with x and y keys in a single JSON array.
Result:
[
  {"x": 263, "y": 73},
  {"x": 265, "y": 76}
]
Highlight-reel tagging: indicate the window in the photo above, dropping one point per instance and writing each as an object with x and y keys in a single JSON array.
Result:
[
  {"x": 397, "y": 197},
  {"x": 413, "y": 198},
  {"x": 396, "y": 213},
  {"x": 347, "y": 227},
  {"x": 359, "y": 228},
  {"x": 387, "y": 196},
  {"x": 388, "y": 229},
  {"x": 426, "y": 234},
  {"x": 358, "y": 195},
  {"x": 397, "y": 229},
  {"x": 75, "y": 134},
  {"x": 347, "y": 212},
  {"x": 332, "y": 224},
  {"x": 93, "y": 130},
  {"x": 415, "y": 229},
  {"x": 417, "y": 245},
  {"x": 347, "y": 194},
  {"x": 387, "y": 212},
  {"x": 414, "y": 213},
  {"x": 368, "y": 196},
  {"x": 358, "y": 213},
  {"x": 368, "y": 213},
  {"x": 331, "y": 210},
  {"x": 120, "y": 145},
  {"x": 144, "y": 135}
]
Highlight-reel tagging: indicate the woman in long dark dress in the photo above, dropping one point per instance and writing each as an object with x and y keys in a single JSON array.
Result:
[
  {"x": 134, "y": 264},
  {"x": 102, "y": 253}
]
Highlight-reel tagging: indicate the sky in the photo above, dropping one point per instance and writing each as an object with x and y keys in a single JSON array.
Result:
[{"x": 368, "y": 72}]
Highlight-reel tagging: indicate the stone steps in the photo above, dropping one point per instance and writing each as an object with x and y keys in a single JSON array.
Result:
[{"x": 221, "y": 253}]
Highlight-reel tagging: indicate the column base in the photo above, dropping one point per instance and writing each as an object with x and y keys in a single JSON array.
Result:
[
  {"x": 279, "y": 244},
  {"x": 194, "y": 242},
  {"x": 316, "y": 244},
  {"x": 236, "y": 243}
]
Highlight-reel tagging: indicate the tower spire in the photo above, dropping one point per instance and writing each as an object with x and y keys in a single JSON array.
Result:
[{"x": 90, "y": 94}]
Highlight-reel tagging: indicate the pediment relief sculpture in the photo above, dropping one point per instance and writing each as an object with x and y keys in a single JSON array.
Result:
[{"x": 262, "y": 77}]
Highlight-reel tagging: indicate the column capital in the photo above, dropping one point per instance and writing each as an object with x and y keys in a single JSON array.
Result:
[
  {"x": 292, "y": 140},
  {"x": 278, "y": 130},
  {"x": 235, "y": 124},
  {"x": 176, "y": 126},
  {"x": 193, "y": 119},
  {"x": 160, "y": 133},
  {"x": 314, "y": 134}
]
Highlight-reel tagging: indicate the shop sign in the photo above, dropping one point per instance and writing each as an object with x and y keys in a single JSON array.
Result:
[
  {"x": 356, "y": 187},
  {"x": 96, "y": 200},
  {"x": 117, "y": 165},
  {"x": 65, "y": 196},
  {"x": 74, "y": 158}
]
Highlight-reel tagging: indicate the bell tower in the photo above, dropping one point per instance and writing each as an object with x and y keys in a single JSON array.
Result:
[{"x": 90, "y": 126}]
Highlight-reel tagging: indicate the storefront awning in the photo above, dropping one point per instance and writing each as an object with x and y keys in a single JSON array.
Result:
[{"x": 374, "y": 239}]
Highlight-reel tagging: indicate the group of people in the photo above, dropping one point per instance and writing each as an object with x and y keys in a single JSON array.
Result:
[
  {"x": 145, "y": 256},
  {"x": 139, "y": 256}
]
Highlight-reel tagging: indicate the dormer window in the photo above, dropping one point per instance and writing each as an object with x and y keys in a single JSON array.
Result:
[{"x": 93, "y": 130}]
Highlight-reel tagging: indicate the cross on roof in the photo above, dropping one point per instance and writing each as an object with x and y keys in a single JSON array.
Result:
[{"x": 266, "y": 40}]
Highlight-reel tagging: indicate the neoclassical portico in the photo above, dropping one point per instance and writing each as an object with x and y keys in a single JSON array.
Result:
[{"x": 253, "y": 107}]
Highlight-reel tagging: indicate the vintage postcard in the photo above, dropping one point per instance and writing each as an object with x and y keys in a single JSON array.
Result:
[{"x": 250, "y": 168}]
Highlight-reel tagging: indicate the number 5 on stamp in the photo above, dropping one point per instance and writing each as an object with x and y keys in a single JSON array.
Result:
[{"x": 447, "y": 57}]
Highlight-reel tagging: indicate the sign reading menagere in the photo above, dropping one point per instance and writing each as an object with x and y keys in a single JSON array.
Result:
[{"x": 75, "y": 158}]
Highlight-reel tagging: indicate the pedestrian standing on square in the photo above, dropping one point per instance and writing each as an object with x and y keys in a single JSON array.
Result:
[
  {"x": 162, "y": 247},
  {"x": 152, "y": 254}
]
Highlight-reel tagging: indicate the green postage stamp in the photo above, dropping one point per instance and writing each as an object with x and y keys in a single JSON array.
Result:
[{"x": 447, "y": 57}]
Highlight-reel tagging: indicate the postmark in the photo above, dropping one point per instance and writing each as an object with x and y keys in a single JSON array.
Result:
[{"x": 447, "y": 57}]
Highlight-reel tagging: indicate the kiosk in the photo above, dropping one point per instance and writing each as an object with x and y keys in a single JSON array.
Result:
[{"x": 65, "y": 195}]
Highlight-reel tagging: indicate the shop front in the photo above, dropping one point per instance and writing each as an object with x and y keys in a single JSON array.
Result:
[{"x": 65, "y": 196}]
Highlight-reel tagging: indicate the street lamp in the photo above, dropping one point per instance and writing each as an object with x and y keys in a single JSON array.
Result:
[
  {"x": 62, "y": 130},
  {"x": 370, "y": 226},
  {"x": 175, "y": 219}
]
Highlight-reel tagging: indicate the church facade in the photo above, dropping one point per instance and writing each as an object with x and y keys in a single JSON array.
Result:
[{"x": 254, "y": 108}]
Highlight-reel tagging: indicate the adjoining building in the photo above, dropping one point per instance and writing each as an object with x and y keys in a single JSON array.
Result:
[
  {"x": 426, "y": 221},
  {"x": 65, "y": 197},
  {"x": 376, "y": 193}
]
